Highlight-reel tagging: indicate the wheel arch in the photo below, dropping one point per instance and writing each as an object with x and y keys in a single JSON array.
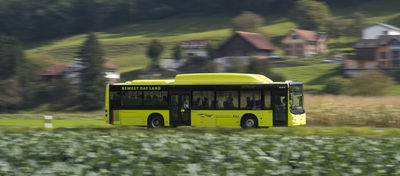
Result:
[
  {"x": 251, "y": 115},
  {"x": 155, "y": 114}
]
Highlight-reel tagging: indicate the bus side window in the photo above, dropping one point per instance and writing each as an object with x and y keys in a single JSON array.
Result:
[
  {"x": 267, "y": 99},
  {"x": 203, "y": 99},
  {"x": 250, "y": 99},
  {"x": 155, "y": 98},
  {"x": 227, "y": 99}
]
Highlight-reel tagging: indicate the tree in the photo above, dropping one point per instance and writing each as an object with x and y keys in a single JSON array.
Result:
[
  {"x": 262, "y": 66},
  {"x": 311, "y": 15},
  {"x": 211, "y": 50},
  {"x": 154, "y": 51},
  {"x": 336, "y": 27},
  {"x": 10, "y": 96},
  {"x": 92, "y": 80},
  {"x": 248, "y": 21},
  {"x": 355, "y": 27},
  {"x": 236, "y": 65},
  {"x": 177, "y": 54},
  {"x": 11, "y": 56}
]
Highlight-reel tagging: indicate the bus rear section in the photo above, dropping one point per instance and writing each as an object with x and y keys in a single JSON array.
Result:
[{"x": 137, "y": 105}]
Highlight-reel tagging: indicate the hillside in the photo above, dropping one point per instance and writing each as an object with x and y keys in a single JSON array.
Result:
[{"x": 125, "y": 45}]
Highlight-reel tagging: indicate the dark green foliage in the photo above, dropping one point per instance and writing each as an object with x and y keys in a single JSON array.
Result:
[
  {"x": 372, "y": 83},
  {"x": 154, "y": 51},
  {"x": 236, "y": 66},
  {"x": 177, "y": 54},
  {"x": 211, "y": 50},
  {"x": 63, "y": 94},
  {"x": 262, "y": 66},
  {"x": 355, "y": 27},
  {"x": 10, "y": 95},
  {"x": 311, "y": 15},
  {"x": 92, "y": 84},
  {"x": 337, "y": 27},
  {"x": 11, "y": 56},
  {"x": 209, "y": 67},
  {"x": 336, "y": 85},
  {"x": 199, "y": 65},
  {"x": 248, "y": 21}
]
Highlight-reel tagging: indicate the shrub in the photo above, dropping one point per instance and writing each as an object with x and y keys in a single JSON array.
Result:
[
  {"x": 336, "y": 85},
  {"x": 372, "y": 83}
]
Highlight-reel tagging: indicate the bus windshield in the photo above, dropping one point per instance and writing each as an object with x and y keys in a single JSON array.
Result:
[{"x": 296, "y": 99}]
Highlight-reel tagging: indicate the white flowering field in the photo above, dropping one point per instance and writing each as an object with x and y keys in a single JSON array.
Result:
[{"x": 185, "y": 152}]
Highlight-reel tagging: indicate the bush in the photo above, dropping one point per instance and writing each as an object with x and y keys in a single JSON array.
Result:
[
  {"x": 262, "y": 66},
  {"x": 336, "y": 85},
  {"x": 371, "y": 83}
]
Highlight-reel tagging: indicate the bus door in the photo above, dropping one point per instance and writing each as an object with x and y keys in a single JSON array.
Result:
[
  {"x": 180, "y": 108},
  {"x": 279, "y": 106}
]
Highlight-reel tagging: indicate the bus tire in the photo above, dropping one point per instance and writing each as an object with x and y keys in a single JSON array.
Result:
[
  {"x": 249, "y": 121},
  {"x": 155, "y": 121}
]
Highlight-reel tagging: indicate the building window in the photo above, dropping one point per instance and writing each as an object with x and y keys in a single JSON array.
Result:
[
  {"x": 227, "y": 100},
  {"x": 383, "y": 55},
  {"x": 299, "y": 45},
  {"x": 299, "y": 52},
  {"x": 250, "y": 99},
  {"x": 294, "y": 37},
  {"x": 288, "y": 53},
  {"x": 384, "y": 32},
  {"x": 203, "y": 100}
]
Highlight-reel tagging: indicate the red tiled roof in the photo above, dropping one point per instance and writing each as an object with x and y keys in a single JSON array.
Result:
[
  {"x": 55, "y": 69},
  {"x": 108, "y": 64},
  {"x": 307, "y": 35},
  {"x": 257, "y": 40}
]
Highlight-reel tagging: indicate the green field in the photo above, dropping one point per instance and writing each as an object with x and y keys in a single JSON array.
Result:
[{"x": 194, "y": 152}]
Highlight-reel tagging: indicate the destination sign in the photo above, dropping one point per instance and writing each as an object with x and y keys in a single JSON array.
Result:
[{"x": 141, "y": 88}]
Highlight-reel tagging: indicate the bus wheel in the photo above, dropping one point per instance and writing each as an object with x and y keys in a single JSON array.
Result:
[
  {"x": 155, "y": 121},
  {"x": 249, "y": 121}
]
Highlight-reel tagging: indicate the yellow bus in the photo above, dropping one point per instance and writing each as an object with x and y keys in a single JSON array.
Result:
[{"x": 206, "y": 99}]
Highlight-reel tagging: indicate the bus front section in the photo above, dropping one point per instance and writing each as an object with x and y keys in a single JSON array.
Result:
[{"x": 297, "y": 114}]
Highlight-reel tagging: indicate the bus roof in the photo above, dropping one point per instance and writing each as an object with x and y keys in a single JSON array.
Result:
[{"x": 207, "y": 79}]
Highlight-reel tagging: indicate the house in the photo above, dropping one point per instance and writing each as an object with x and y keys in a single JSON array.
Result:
[
  {"x": 194, "y": 48},
  {"x": 243, "y": 46},
  {"x": 371, "y": 54},
  {"x": 373, "y": 31},
  {"x": 246, "y": 44},
  {"x": 72, "y": 71},
  {"x": 54, "y": 72},
  {"x": 303, "y": 43}
]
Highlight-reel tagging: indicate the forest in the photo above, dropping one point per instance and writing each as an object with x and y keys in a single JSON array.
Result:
[{"x": 46, "y": 19}]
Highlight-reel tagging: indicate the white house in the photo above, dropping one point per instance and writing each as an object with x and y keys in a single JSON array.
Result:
[{"x": 373, "y": 31}]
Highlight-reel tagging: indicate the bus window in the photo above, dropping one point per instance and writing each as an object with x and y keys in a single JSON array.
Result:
[
  {"x": 227, "y": 99},
  {"x": 267, "y": 99},
  {"x": 155, "y": 98},
  {"x": 250, "y": 99},
  {"x": 115, "y": 99},
  {"x": 131, "y": 98},
  {"x": 203, "y": 99}
]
